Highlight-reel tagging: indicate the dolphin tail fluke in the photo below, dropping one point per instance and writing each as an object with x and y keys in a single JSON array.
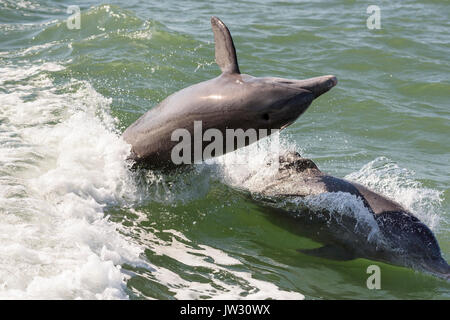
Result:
[
  {"x": 225, "y": 52},
  {"x": 329, "y": 252}
]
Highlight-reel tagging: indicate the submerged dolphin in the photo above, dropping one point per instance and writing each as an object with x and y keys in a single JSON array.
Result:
[
  {"x": 401, "y": 238},
  {"x": 230, "y": 101}
]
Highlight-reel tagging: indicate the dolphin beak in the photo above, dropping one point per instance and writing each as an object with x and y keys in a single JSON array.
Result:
[
  {"x": 440, "y": 269},
  {"x": 318, "y": 85}
]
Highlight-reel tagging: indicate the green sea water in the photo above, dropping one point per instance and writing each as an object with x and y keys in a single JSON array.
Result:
[{"x": 76, "y": 223}]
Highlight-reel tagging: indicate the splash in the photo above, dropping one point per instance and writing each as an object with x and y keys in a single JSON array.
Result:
[
  {"x": 338, "y": 204},
  {"x": 386, "y": 177},
  {"x": 250, "y": 167},
  {"x": 62, "y": 165}
]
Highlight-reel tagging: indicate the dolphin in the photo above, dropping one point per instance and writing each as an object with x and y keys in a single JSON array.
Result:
[
  {"x": 400, "y": 238},
  {"x": 230, "y": 101}
]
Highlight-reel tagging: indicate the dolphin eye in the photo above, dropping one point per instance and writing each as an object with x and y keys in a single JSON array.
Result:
[{"x": 266, "y": 116}]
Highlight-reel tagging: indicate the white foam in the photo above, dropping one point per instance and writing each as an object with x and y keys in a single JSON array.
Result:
[
  {"x": 223, "y": 282},
  {"x": 340, "y": 204},
  {"x": 13, "y": 73},
  {"x": 61, "y": 165},
  {"x": 386, "y": 177},
  {"x": 250, "y": 167}
]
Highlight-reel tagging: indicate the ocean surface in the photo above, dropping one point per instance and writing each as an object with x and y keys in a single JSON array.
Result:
[{"x": 75, "y": 223}]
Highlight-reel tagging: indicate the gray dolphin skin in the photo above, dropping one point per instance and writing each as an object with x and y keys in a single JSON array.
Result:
[
  {"x": 239, "y": 101},
  {"x": 401, "y": 238},
  {"x": 230, "y": 101}
]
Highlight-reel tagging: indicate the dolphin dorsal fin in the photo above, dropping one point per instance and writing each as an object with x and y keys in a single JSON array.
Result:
[{"x": 225, "y": 51}]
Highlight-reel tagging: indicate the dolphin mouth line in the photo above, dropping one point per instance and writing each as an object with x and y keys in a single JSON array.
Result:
[
  {"x": 319, "y": 85},
  {"x": 286, "y": 125},
  {"x": 438, "y": 271}
]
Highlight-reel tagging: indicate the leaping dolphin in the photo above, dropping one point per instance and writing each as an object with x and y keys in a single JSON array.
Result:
[
  {"x": 230, "y": 101},
  {"x": 401, "y": 239}
]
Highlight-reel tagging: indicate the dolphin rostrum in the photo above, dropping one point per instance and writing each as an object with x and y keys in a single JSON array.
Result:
[
  {"x": 230, "y": 101},
  {"x": 400, "y": 238}
]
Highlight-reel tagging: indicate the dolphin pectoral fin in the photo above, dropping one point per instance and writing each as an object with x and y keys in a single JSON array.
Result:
[
  {"x": 329, "y": 252},
  {"x": 225, "y": 51}
]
